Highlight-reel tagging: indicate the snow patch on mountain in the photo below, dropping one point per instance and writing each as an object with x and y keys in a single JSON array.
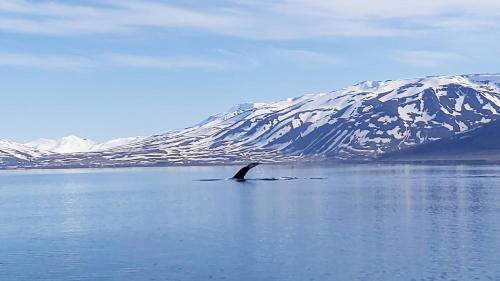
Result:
[
  {"x": 75, "y": 144},
  {"x": 14, "y": 155},
  {"x": 116, "y": 143},
  {"x": 16, "y": 150}
]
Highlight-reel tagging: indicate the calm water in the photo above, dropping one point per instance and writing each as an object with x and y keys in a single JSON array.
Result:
[{"x": 362, "y": 223}]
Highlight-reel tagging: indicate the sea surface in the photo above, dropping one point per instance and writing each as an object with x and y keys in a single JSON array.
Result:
[{"x": 362, "y": 222}]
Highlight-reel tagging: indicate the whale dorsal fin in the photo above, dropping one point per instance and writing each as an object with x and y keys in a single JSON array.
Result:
[{"x": 240, "y": 175}]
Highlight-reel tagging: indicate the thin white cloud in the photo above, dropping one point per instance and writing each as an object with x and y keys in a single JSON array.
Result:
[
  {"x": 44, "y": 61},
  {"x": 389, "y": 17},
  {"x": 463, "y": 24},
  {"x": 303, "y": 58},
  {"x": 426, "y": 59},
  {"x": 381, "y": 9},
  {"x": 57, "y": 18},
  {"x": 241, "y": 58},
  {"x": 257, "y": 19},
  {"x": 73, "y": 62},
  {"x": 126, "y": 60},
  {"x": 57, "y": 26},
  {"x": 308, "y": 58}
]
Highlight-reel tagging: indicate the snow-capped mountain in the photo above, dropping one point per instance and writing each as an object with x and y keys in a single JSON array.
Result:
[
  {"x": 73, "y": 144},
  {"x": 69, "y": 144},
  {"x": 477, "y": 145},
  {"x": 361, "y": 122},
  {"x": 14, "y": 154},
  {"x": 115, "y": 143}
]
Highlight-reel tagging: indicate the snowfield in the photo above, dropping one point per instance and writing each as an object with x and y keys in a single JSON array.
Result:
[{"x": 72, "y": 144}]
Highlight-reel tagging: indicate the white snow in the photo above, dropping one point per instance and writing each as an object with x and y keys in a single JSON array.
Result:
[
  {"x": 116, "y": 143},
  {"x": 395, "y": 132},
  {"x": 459, "y": 103},
  {"x": 463, "y": 126},
  {"x": 387, "y": 119},
  {"x": 448, "y": 126},
  {"x": 404, "y": 111},
  {"x": 489, "y": 107},
  {"x": 75, "y": 144},
  {"x": 16, "y": 150}
]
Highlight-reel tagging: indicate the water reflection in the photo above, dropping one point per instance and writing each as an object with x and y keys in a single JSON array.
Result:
[{"x": 364, "y": 222}]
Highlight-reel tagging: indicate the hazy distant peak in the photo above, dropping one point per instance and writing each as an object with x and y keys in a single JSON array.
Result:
[{"x": 74, "y": 144}]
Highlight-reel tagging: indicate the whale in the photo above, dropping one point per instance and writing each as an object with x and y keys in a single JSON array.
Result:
[{"x": 240, "y": 175}]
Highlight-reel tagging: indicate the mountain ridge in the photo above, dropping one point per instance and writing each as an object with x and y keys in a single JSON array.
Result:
[
  {"x": 479, "y": 145},
  {"x": 358, "y": 122},
  {"x": 76, "y": 144}
]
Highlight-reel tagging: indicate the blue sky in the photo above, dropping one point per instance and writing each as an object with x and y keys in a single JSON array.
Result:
[{"x": 116, "y": 68}]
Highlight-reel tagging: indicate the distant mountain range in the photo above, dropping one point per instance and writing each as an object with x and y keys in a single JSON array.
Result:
[
  {"x": 369, "y": 121},
  {"x": 73, "y": 144}
]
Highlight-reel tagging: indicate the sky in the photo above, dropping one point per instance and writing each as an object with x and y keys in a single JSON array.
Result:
[{"x": 117, "y": 68}]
